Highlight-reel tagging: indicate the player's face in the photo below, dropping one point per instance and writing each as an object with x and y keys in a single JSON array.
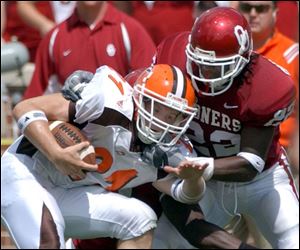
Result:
[
  {"x": 163, "y": 113},
  {"x": 207, "y": 72}
]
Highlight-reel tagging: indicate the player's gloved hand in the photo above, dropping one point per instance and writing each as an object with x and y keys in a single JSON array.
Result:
[{"x": 75, "y": 83}]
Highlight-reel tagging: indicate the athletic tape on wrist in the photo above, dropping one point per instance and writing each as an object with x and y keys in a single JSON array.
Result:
[
  {"x": 30, "y": 117},
  {"x": 178, "y": 194}
]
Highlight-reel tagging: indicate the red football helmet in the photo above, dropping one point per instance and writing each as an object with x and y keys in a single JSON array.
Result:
[{"x": 219, "y": 47}]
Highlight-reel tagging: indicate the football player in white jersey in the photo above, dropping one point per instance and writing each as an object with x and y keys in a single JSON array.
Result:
[
  {"x": 41, "y": 203},
  {"x": 215, "y": 237}
]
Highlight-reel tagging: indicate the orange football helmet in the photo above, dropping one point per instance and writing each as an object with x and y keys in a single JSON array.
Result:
[{"x": 158, "y": 87}]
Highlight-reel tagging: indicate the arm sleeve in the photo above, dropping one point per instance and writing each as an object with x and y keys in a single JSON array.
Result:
[
  {"x": 91, "y": 104},
  {"x": 265, "y": 106},
  {"x": 275, "y": 113},
  {"x": 105, "y": 90}
]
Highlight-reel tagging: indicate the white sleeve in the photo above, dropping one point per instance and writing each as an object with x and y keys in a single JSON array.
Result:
[
  {"x": 178, "y": 194},
  {"x": 91, "y": 104},
  {"x": 102, "y": 92}
]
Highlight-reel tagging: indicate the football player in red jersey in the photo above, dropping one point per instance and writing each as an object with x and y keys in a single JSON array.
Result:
[{"x": 242, "y": 97}]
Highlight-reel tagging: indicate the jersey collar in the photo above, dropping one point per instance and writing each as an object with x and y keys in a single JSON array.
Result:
[{"x": 110, "y": 17}]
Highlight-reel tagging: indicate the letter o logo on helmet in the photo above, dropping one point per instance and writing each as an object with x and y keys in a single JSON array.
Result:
[
  {"x": 163, "y": 86},
  {"x": 243, "y": 38},
  {"x": 219, "y": 47}
]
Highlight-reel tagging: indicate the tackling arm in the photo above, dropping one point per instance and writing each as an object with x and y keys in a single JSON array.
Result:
[
  {"x": 255, "y": 141},
  {"x": 188, "y": 187}
]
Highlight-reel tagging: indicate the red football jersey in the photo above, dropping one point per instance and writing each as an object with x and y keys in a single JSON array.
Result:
[{"x": 263, "y": 95}]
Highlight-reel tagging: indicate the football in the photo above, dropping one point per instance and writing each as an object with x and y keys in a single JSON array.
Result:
[{"x": 67, "y": 135}]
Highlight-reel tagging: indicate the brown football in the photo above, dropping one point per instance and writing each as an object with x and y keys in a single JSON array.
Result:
[{"x": 67, "y": 135}]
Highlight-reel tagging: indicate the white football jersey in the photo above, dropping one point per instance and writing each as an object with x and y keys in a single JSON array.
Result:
[
  {"x": 118, "y": 167},
  {"x": 107, "y": 107}
]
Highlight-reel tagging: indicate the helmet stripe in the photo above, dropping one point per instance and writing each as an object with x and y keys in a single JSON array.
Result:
[
  {"x": 184, "y": 87},
  {"x": 181, "y": 83}
]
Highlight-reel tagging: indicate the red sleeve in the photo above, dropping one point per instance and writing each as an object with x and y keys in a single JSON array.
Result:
[
  {"x": 142, "y": 46},
  {"x": 44, "y": 68},
  {"x": 272, "y": 95}
]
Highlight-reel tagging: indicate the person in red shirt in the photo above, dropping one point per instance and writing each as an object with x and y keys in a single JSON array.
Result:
[
  {"x": 96, "y": 34},
  {"x": 243, "y": 98},
  {"x": 15, "y": 26}
]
